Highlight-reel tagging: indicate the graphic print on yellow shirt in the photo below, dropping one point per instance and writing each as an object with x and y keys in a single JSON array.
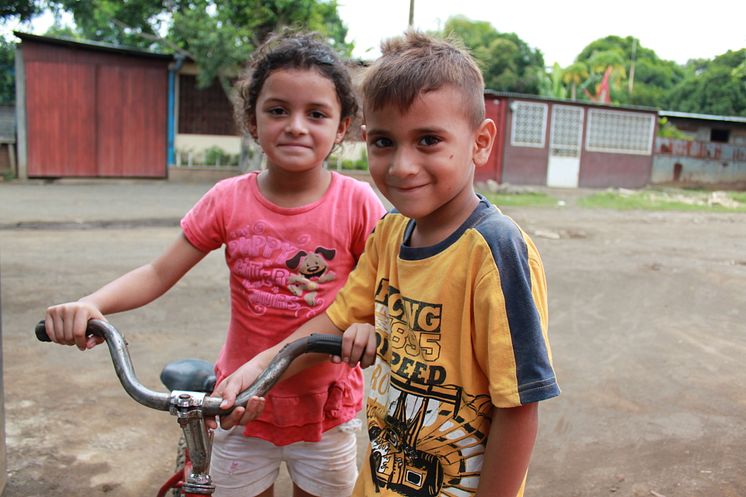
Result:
[
  {"x": 430, "y": 431},
  {"x": 461, "y": 328}
]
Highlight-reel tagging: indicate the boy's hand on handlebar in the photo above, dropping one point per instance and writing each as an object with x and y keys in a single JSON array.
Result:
[
  {"x": 228, "y": 390},
  {"x": 66, "y": 324},
  {"x": 358, "y": 345}
]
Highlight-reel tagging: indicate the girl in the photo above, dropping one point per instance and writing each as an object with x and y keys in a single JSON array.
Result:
[{"x": 292, "y": 233}]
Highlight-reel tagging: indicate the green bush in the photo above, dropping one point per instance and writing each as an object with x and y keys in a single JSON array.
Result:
[
  {"x": 360, "y": 164},
  {"x": 667, "y": 129},
  {"x": 216, "y": 156}
]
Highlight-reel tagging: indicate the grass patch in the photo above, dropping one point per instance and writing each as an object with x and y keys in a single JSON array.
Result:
[
  {"x": 521, "y": 199},
  {"x": 667, "y": 200}
]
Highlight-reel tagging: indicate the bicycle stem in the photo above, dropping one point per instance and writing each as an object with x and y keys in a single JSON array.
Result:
[{"x": 187, "y": 407}]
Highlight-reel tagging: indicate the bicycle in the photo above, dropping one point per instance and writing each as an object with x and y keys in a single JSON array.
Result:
[{"x": 189, "y": 382}]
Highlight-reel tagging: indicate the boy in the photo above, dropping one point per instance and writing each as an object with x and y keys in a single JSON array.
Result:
[{"x": 455, "y": 289}]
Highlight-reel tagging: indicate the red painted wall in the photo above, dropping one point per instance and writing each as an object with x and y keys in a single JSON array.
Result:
[
  {"x": 528, "y": 165},
  {"x": 92, "y": 113},
  {"x": 603, "y": 170},
  {"x": 495, "y": 109},
  {"x": 524, "y": 165}
]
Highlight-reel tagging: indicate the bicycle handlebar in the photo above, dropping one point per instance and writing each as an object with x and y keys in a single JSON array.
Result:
[{"x": 321, "y": 343}]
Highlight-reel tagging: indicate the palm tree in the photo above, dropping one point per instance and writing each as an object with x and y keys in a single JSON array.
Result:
[{"x": 574, "y": 75}]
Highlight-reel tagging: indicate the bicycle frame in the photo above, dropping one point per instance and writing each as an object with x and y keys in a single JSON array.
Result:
[
  {"x": 190, "y": 407},
  {"x": 194, "y": 478},
  {"x": 178, "y": 480},
  {"x": 184, "y": 482}
]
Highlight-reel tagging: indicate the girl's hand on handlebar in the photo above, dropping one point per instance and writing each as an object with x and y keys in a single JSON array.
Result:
[
  {"x": 240, "y": 415},
  {"x": 228, "y": 390},
  {"x": 358, "y": 345},
  {"x": 66, "y": 324}
]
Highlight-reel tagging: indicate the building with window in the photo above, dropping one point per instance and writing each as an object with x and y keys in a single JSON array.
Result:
[
  {"x": 564, "y": 143},
  {"x": 204, "y": 122},
  {"x": 711, "y": 152}
]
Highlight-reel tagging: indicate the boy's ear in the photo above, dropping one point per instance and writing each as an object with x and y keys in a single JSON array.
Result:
[
  {"x": 344, "y": 124},
  {"x": 484, "y": 138}
]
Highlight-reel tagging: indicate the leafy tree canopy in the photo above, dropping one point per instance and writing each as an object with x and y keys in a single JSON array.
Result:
[
  {"x": 22, "y": 10},
  {"x": 134, "y": 23},
  {"x": 647, "y": 76},
  {"x": 713, "y": 87},
  {"x": 507, "y": 62},
  {"x": 218, "y": 35},
  {"x": 7, "y": 72}
]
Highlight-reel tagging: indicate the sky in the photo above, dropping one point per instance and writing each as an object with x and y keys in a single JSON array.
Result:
[{"x": 675, "y": 30}]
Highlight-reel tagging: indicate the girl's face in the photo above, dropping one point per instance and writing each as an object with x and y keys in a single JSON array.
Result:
[{"x": 298, "y": 119}]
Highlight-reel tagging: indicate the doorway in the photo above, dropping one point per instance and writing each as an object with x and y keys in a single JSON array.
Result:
[{"x": 566, "y": 136}]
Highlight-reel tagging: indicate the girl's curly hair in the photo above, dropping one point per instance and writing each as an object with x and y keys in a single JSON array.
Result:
[{"x": 289, "y": 49}]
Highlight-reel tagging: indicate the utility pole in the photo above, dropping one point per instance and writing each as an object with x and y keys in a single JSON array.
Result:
[
  {"x": 411, "y": 13},
  {"x": 631, "y": 82}
]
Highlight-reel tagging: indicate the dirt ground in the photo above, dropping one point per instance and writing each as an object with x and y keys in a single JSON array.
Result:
[{"x": 647, "y": 324}]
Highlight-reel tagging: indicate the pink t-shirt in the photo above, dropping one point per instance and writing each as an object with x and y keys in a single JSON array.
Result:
[{"x": 286, "y": 266}]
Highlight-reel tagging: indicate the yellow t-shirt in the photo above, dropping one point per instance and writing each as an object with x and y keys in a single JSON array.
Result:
[{"x": 461, "y": 327}]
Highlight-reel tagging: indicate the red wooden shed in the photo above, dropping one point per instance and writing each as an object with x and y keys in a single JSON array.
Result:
[{"x": 91, "y": 109}]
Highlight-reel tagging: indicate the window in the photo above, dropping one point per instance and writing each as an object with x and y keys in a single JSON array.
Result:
[
  {"x": 529, "y": 124},
  {"x": 620, "y": 132},
  {"x": 204, "y": 111},
  {"x": 566, "y": 131},
  {"x": 719, "y": 135}
]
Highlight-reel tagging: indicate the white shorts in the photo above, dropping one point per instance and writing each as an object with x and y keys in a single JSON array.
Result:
[{"x": 247, "y": 466}]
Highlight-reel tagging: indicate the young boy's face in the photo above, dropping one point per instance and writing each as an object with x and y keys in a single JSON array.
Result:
[{"x": 423, "y": 159}]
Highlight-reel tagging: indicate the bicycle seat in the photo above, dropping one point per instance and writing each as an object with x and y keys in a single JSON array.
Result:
[{"x": 194, "y": 375}]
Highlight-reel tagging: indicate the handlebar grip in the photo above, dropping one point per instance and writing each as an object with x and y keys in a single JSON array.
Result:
[
  {"x": 325, "y": 344},
  {"x": 41, "y": 332},
  {"x": 95, "y": 327}
]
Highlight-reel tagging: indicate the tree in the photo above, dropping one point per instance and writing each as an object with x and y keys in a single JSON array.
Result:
[
  {"x": 550, "y": 85},
  {"x": 13, "y": 10},
  {"x": 7, "y": 72},
  {"x": 22, "y": 10},
  {"x": 650, "y": 77},
  {"x": 507, "y": 62},
  {"x": 713, "y": 87},
  {"x": 218, "y": 35},
  {"x": 134, "y": 23},
  {"x": 574, "y": 75},
  {"x": 607, "y": 75}
]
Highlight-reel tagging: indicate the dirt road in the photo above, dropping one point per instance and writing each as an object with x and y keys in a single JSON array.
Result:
[{"x": 647, "y": 314}]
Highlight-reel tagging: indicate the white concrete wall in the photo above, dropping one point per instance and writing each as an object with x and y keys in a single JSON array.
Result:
[{"x": 197, "y": 144}]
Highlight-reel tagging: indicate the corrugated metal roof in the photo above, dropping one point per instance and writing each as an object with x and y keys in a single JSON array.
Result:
[
  {"x": 703, "y": 117},
  {"x": 565, "y": 101},
  {"x": 92, "y": 45}
]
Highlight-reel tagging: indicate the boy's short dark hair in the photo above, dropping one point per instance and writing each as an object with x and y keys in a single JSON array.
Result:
[{"x": 415, "y": 63}]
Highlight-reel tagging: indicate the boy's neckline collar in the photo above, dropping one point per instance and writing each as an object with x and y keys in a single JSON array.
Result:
[{"x": 415, "y": 253}]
